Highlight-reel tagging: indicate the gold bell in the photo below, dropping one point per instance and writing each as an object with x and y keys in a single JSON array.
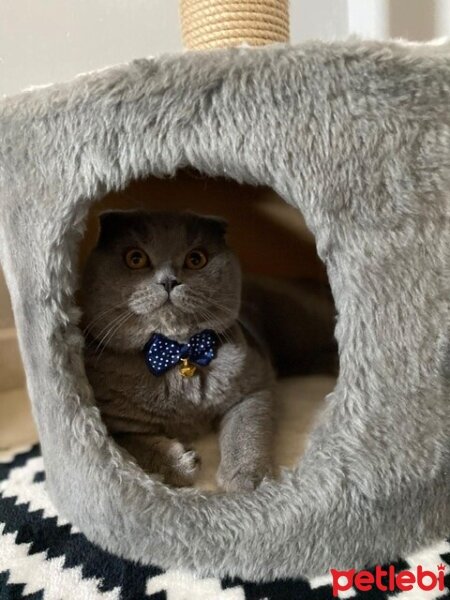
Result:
[{"x": 187, "y": 369}]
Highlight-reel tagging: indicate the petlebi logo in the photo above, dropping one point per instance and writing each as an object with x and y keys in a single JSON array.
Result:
[{"x": 387, "y": 580}]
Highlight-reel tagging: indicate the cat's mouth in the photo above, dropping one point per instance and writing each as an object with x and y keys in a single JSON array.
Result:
[
  {"x": 150, "y": 303},
  {"x": 176, "y": 303},
  {"x": 176, "y": 300},
  {"x": 168, "y": 304}
]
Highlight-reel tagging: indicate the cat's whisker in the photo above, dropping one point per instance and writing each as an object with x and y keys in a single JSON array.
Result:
[
  {"x": 204, "y": 312},
  {"x": 103, "y": 334},
  {"x": 213, "y": 303},
  {"x": 107, "y": 326},
  {"x": 223, "y": 311},
  {"x": 220, "y": 313},
  {"x": 207, "y": 316},
  {"x": 101, "y": 315},
  {"x": 112, "y": 332},
  {"x": 208, "y": 297},
  {"x": 107, "y": 338}
]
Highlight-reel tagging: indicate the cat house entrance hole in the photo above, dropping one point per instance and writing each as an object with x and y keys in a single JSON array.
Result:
[{"x": 274, "y": 246}]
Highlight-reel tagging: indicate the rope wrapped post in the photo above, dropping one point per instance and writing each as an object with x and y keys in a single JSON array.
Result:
[{"x": 225, "y": 23}]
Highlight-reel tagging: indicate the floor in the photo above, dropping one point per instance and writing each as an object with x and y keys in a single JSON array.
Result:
[{"x": 16, "y": 423}]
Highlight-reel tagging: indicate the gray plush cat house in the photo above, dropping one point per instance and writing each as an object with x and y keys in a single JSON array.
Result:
[{"x": 356, "y": 136}]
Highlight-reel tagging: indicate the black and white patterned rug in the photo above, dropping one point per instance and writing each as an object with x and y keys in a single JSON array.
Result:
[{"x": 43, "y": 557}]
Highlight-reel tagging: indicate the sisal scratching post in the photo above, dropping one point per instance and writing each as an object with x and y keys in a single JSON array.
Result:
[{"x": 209, "y": 24}]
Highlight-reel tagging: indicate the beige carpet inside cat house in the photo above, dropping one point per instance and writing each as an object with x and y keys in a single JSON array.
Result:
[{"x": 353, "y": 135}]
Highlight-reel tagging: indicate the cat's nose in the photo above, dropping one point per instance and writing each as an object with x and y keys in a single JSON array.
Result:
[{"x": 169, "y": 284}]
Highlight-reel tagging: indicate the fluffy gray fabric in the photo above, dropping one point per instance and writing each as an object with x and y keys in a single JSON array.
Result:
[{"x": 357, "y": 136}]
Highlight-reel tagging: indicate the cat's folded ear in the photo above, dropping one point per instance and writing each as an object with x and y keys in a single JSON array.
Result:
[
  {"x": 218, "y": 225},
  {"x": 113, "y": 223}
]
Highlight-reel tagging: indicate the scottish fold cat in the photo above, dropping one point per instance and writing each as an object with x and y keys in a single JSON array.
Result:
[{"x": 165, "y": 352}]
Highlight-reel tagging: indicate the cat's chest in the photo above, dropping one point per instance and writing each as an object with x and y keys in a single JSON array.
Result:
[
  {"x": 209, "y": 388},
  {"x": 127, "y": 377}
]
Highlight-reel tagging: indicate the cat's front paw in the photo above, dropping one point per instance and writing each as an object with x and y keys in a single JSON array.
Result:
[
  {"x": 182, "y": 466},
  {"x": 242, "y": 479}
]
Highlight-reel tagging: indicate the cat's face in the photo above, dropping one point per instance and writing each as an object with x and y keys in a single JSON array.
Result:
[{"x": 166, "y": 272}]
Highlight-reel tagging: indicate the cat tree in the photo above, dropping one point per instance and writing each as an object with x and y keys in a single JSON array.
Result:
[{"x": 356, "y": 135}]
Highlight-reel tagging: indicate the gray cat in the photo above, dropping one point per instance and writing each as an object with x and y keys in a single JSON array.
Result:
[{"x": 165, "y": 352}]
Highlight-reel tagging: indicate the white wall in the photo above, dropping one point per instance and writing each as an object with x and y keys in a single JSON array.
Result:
[{"x": 43, "y": 41}]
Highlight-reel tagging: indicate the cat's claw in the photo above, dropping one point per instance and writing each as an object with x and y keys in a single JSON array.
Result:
[
  {"x": 242, "y": 480},
  {"x": 183, "y": 466}
]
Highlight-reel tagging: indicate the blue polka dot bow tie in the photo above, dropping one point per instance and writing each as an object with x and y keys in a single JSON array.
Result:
[{"x": 162, "y": 353}]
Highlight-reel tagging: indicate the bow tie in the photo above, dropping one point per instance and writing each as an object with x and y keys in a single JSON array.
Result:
[{"x": 162, "y": 353}]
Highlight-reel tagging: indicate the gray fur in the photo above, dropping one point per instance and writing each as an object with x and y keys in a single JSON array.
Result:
[
  {"x": 357, "y": 136},
  {"x": 150, "y": 415}
]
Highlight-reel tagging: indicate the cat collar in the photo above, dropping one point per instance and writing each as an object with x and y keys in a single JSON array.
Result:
[{"x": 162, "y": 353}]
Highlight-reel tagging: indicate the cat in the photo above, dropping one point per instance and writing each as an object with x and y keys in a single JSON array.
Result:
[{"x": 166, "y": 354}]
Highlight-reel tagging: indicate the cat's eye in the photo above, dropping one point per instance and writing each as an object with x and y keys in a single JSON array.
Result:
[
  {"x": 135, "y": 258},
  {"x": 196, "y": 259}
]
